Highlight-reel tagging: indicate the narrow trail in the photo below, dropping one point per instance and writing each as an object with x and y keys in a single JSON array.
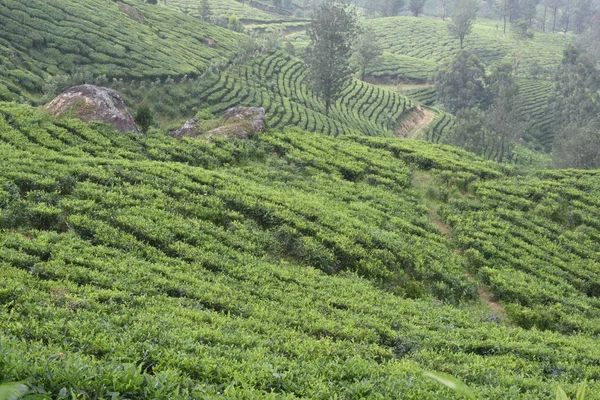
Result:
[
  {"x": 485, "y": 296},
  {"x": 415, "y": 123},
  {"x": 422, "y": 123}
]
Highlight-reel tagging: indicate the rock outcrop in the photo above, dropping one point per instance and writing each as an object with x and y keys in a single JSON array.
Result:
[
  {"x": 93, "y": 103},
  {"x": 237, "y": 122}
]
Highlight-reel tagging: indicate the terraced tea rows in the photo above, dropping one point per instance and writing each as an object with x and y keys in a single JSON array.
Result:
[
  {"x": 279, "y": 84},
  {"x": 130, "y": 39},
  {"x": 426, "y": 96},
  {"x": 532, "y": 104},
  {"x": 226, "y": 8},
  {"x": 405, "y": 67},
  {"x": 428, "y": 39},
  {"x": 534, "y": 242},
  {"x": 440, "y": 127},
  {"x": 144, "y": 267}
]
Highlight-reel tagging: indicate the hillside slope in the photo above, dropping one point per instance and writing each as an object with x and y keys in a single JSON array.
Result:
[
  {"x": 291, "y": 265},
  {"x": 126, "y": 39},
  {"x": 428, "y": 40}
]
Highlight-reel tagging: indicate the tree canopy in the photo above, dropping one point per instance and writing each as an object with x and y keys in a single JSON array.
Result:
[
  {"x": 331, "y": 35},
  {"x": 462, "y": 19}
]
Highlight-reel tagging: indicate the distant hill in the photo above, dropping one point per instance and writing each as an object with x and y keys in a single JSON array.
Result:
[{"x": 291, "y": 265}]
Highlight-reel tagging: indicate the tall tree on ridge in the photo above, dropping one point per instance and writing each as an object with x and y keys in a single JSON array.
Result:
[
  {"x": 461, "y": 83},
  {"x": 367, "y": 51},
  {"x": 205, "y": 11},
  {"x": 331, "y": 34},
  {"x": 416, "y": 7},
  {"x": 462, "y": 19}
]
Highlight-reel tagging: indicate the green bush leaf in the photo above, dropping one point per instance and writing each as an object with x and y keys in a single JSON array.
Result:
[
  {"x": 452, "y": 383},
  {"x": 581, "y": 392},
  {"x": 561, "y": 395},
  {"x": 12, "y": 391}
]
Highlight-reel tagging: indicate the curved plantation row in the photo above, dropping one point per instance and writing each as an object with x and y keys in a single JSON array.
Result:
[
  {"x": 426, "y": 96},
  {"x": 226, "y": 8},
  {"x": 534, "y": 242},
  {"x": 532, "y": 103},
  {"x": 39, "y": 39},
  {"x": 278, "y": 83},
  {"x": 146, "y": 267},
  {"x": 354, "y": 242},
  {"x": 403, "y": 66},
  {"x": 440, "y": 127},
  {"x": 428, "y": 39}
]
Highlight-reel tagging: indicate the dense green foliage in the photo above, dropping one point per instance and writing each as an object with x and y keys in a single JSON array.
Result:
[
  {"x": 130, "y": 39},
  {"x": 429, "y": 40},
  {"x": 224, "y": 8},
  {"x": 331, "y": 35},
  {"x": 279, "y": 83},
  {"x": 291, "y": 265},
  {"x": 337, "y": 264}
]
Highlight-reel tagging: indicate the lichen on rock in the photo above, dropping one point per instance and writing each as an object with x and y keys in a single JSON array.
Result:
[
  {"x": 93, "y": 103},
  {"x": 236, "y": 122}
]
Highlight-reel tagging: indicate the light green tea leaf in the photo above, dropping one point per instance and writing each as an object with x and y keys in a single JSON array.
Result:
[
  {"x": 12, "y": 391},
  {"x": 452, "y": 383},
  {"x": 561, "y": 395}
]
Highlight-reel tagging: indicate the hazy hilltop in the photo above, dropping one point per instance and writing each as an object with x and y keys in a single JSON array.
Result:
[{"x": 318, "y": 201}]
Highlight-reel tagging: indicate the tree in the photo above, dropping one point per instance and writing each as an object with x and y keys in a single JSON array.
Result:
[
  {"x": 416, "y": 7},
  {"x": 395, "y": 6},
  {"x": 460, "y": 82},
  {"x": 205, "y": 11},
  {"x": 529, "y": 11},
  {"x": 367, "y": 51},
  {"x": 144, "y": 118},
  {"x": 501, "y": 81},
  {"x": 504, "y": 122},
  {"x": 493, "y": 129},
  {"x": 566, "y": 16},
  {"x": 590, "y": 40},
  {"x": 234, "y": 24},
  {"x": 577, "y": 98},
  {"x": 575, "y": 106},
  {"x": 331, "y": 34},
  {"x": 578, "y": 147},
  {"x": 462, "y": 19},
  {"x": 582, "y": 15}
]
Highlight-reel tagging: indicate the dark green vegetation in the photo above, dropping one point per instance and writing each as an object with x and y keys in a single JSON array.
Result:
[
  {"x": 331, "y": 36},
  {"x": 131, "y": 40},
  {"x": 290, "y": 265},
  {"x": 279, "y": 83},
  {"x": 338, "y": 264},
  {"x": 430, "y": 41}
]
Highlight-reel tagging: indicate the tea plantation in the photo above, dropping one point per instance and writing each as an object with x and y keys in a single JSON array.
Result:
[
  {"x": 129, "y": 39},
  {"x": 429, "y": 40},
  {"x": 291, "y": 265},
  {"x": 279, "y": 83}
]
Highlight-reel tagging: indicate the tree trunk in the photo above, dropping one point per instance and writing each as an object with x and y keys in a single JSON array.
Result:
[
  {"x": 505, "y": 12},
  {"x": 554, "y": 20},
  {"x": 327, "y": 106},
  {"x": 544, "y": 21},
  {"x": 461, "y": 41}
]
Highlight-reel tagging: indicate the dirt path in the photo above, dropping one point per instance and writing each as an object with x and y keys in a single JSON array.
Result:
[
  {"x": 485, "y": 297},
  {"x": 422, "y": 123}
]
